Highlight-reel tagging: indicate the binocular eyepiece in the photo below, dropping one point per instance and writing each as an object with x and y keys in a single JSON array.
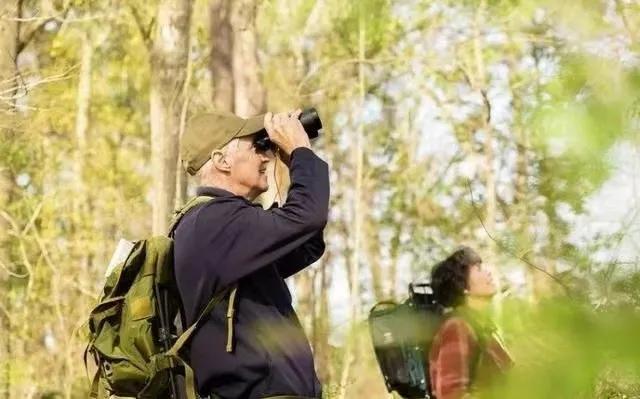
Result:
[{"x": 310, "y": 121}]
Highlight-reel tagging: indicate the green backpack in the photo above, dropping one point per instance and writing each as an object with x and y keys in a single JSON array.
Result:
[{"x": 132, "y": 335}]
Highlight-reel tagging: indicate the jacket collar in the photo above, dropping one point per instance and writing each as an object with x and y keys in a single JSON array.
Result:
[
  {"x": 217, "y": 192},
  {"x": 210, "y": 191}
]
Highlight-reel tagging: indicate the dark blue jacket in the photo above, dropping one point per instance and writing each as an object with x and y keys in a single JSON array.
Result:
[{"x": 231, "y": 240}]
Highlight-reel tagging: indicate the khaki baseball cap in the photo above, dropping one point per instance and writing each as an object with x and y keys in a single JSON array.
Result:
[{"x": 212, "y": 131}]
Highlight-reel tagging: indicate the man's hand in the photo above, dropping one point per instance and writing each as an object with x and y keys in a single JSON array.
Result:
[{"x": 286, "y": 131}]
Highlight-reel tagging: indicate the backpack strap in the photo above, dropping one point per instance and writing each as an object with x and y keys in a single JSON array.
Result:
[
  {"x": 179, "y": 213},
  {"x": 187, "y": 334},
  {"x": 230, "y": 312},
  {"x": 96, "y": 390},
  {"x": 173, "y": 353},
  {"x": 95, "y": 381}
]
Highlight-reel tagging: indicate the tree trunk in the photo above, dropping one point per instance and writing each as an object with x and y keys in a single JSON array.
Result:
[
  {"x": 168, "y": 70},
  {"x": 304, "y": 296},
  {"x": 221, "y": 64},
  {"x": 372, "y": 243},
  {"x": 249, "y": 92},
  {"x": 182, "y": 178},
  {"x": 237, "y": 84},
  {"x": 83, "y": 104},
  {"x": 358, "y": 213},
  {"x": 8, "y": 73},
  {"x": 351, "y": 347},
  {"x": 322, "y": 323},
  {"x": 392, "y": 276}
]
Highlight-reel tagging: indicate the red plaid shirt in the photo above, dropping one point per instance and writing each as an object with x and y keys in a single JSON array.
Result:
[{"x": 454, "y": 353}]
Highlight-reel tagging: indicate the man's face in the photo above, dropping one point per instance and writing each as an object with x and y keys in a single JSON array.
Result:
[
  {"x": 249, "y": 167},
  {"x": 480, "y": 282}
]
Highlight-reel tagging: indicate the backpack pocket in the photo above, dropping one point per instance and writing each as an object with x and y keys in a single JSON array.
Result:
[
  {"x": 106, "y": 311},
  {"x": 122, "y": 376}
]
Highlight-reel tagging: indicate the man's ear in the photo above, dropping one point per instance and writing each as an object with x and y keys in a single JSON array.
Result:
[{"x": 220, "y": 161}]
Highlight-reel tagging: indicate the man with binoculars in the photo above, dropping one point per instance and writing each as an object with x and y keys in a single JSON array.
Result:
[{"x": 251, "y": 345}]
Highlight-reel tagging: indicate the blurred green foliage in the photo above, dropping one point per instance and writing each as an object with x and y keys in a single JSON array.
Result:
[{"x": 566, "y": 349}]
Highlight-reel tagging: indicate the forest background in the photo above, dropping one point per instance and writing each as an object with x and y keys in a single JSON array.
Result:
[{"x": 512, "y": 126}]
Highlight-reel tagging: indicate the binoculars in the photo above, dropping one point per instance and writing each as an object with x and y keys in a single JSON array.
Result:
[{"x": 310, "y": 121}]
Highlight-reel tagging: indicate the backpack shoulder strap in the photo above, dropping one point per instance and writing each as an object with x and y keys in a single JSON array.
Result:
[
  {"x": 175, "y": 349},
  {"x": 231, "y": 309},
  {"x": 179, "y": 213}
]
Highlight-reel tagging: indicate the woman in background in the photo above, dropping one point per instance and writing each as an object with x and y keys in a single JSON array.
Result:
[{"x": 466, "y": 350}]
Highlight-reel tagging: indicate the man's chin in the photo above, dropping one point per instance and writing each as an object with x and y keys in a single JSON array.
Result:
[
  {"x": 257, "y": 192},
  {"x": 261, "y": 189}
]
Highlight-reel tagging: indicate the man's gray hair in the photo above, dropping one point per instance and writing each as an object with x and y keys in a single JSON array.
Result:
[{"x": 226, "y": 150}]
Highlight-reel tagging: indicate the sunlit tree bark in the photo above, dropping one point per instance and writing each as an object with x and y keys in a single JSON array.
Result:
[
  {"x": 8, "y": 81},
  {"x": 168, "y": 70}
]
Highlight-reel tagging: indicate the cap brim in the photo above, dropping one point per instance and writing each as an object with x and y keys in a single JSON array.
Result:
[{"x": 252, "y": 126}]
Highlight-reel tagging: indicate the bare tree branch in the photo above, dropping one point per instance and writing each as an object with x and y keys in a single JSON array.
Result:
[
  {"x": 145, "y": 29},
  {"x": 508, "y": 251},
  {"x": 6, "y": 313},
  {"x": 9, "y": 95},
  {"x": 12, "y": 273},
  {"x": 21, "y": 44}
]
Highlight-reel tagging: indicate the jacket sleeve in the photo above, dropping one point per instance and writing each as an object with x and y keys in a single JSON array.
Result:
[
  {"x": 453, "y": 360},
  {"x": 302, "y": 256},
  {"x": 255, "y": 238}
]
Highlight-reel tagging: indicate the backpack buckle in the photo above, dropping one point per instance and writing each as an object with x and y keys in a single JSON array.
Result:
[
  {"x": 164, "y": 335},
  {"x": 107, "y": 369}
]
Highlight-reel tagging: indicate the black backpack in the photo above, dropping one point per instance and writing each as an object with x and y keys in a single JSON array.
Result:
[{"x": 402, "y": 334}]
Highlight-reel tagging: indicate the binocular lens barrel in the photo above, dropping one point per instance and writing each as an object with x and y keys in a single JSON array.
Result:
[{"x": 310, "y": 121}]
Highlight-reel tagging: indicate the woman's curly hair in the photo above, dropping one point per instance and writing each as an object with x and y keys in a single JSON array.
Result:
[{"x": 449, "y": 278}]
